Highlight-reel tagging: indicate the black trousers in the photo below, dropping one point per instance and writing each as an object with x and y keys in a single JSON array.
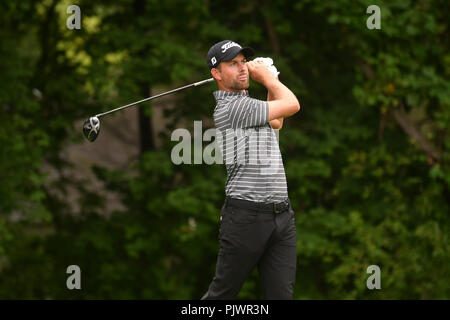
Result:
[{"x": 250, "y": 238}]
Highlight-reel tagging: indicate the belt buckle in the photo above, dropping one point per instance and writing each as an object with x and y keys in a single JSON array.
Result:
[{"x": 275, "y": 208}]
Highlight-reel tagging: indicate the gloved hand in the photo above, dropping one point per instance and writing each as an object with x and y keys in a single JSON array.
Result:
[{"x": 268, "y": 62}]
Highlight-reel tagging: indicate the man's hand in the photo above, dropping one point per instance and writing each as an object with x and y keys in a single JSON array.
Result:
[
  {"x": 269, "y": 64},
  {"x": 259, "y": 72}
]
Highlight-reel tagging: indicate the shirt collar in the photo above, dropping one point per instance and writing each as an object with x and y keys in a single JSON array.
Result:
[{"x": 220, "y": 94}]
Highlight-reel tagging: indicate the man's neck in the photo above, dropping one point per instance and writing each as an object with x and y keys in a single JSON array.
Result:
[{"x": 222, "y": 88}]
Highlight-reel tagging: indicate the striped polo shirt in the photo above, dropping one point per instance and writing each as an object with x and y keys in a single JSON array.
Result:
[{"x": 249, "y": 148}]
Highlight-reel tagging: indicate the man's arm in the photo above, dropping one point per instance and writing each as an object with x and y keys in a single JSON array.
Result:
[
  {"x": 275, "y": 123},
  {"x": 285, "y": 104}
]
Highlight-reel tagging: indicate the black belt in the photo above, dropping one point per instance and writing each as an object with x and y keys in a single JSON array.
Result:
[{"x": 274, "y": 207}]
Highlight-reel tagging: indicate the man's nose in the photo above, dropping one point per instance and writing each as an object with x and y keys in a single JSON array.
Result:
[{"x": 243, "y": 67}]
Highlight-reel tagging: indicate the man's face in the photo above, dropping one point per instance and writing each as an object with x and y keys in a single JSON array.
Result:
[{"x": 234, "y": 73}]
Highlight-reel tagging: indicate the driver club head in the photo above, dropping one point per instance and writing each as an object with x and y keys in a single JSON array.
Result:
[{"x": 91, "y": 128}]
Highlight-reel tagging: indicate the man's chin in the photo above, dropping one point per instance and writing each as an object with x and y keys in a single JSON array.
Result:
[
  {"x": 238, "y": 89},
  {"x": 241, "y": 85}
]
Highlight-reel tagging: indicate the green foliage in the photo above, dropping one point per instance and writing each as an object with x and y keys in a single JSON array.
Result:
[{"x": 364, "y": 190}]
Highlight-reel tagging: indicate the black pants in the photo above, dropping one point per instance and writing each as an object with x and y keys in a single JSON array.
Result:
[{"x": 250, "y": 238}]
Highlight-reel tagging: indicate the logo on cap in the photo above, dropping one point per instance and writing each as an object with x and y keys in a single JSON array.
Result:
[
  {"x": 213, "y": 60},
  {"x": 228, "y": 45}
]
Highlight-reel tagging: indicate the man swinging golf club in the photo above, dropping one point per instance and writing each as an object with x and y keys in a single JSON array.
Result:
[{"x": 257, "y": 226}]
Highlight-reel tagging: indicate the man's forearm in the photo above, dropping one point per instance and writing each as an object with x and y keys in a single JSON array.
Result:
[
  {"x": 276, "y": 123},
  {"x": 284, "y": 103},
  {"x": 278, "y": 91}
]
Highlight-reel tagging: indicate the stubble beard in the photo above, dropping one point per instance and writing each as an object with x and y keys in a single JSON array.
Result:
[{"x": 237, "y": 85}]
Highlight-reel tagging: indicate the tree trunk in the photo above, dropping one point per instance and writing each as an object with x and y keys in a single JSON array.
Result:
[
  {"x": 145, "y": 121},
  {"x": 145, "y": 124}
]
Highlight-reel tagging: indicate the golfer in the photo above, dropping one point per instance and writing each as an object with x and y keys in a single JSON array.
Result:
[{"x": 257, "y": 227}]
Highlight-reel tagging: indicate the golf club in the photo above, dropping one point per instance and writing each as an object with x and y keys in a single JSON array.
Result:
[{"x": 91, "y": 127}]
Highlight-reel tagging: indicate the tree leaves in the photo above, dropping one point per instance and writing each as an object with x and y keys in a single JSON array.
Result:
[{"x": 363, "y": 190}]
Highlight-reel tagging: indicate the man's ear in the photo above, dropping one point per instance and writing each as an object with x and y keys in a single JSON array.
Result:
[{"x": 216, "y": 74}]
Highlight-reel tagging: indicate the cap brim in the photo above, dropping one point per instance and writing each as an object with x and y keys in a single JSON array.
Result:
[
  {"x": 247, "y": 52},
  {"x": 233, "y": 52}
]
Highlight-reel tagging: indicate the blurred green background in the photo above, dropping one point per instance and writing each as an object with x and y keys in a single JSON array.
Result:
[{"x": 367, "y": 158}]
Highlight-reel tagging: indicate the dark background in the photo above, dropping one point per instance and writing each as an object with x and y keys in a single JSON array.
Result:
[{"x": 367, "y": 157}]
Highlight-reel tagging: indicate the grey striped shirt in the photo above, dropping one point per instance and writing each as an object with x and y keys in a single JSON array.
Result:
[{"x": 249, "y": 148}]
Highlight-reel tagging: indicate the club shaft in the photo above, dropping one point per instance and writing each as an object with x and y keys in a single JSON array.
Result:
[{"x": 199, "y": 83}]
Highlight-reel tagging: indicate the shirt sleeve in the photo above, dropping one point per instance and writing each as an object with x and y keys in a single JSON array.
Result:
[{"x": 248, "y": 112}]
